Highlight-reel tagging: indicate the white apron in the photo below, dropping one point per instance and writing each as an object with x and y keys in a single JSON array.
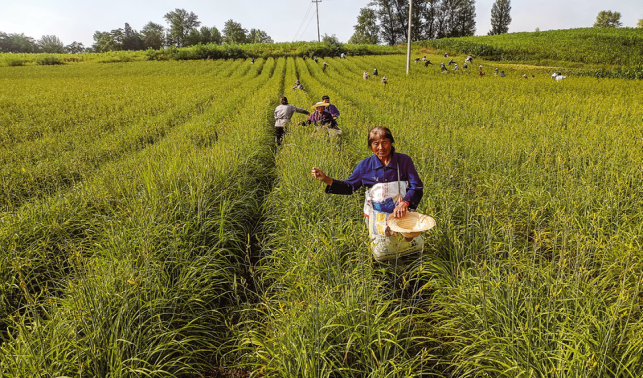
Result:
[{"x": 378, "y": 206}]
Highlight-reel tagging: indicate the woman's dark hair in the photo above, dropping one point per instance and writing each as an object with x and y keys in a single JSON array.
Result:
[
  {"x": 283, "y": 101},
  {"x": 380, "y": 131}
]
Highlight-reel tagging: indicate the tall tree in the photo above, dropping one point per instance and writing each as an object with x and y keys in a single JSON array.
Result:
[
  {"x": 500, "y": 17},
  {"x": 640, "y": 23},
  {"x": 51, "y": 44},
  {"x": 153, "y": 35},
  {"x": 366, "y": 31},
  {"x": 608, "y": 19},
  {"x": 75, "y": 48},
  {"x": 180, "y": 23},
  {"x": 17, "y": 43},
  {"x": 456, "y": 18},
  {"x": 132, "y": 40},
  {"x": 258, "y": 36},
  {"x": 233, "y": 32},
  {"x": 390, "y": 25},
  {"x": 216, "y": 36}
]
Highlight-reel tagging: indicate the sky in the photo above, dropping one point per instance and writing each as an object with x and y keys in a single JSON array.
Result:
[{"x": 283, "y": 20}]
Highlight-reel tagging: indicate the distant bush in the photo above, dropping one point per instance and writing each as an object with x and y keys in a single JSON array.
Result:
[
  {"x": 48, "y": 60},
  {"x": 13, "y": 62}
]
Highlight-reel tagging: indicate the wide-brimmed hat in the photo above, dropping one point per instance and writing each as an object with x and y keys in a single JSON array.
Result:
[
  {"x": 325, "y": 105},
  {"x": 412, "y": 224}
]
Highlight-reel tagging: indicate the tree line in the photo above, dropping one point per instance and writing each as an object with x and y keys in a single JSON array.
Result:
[{"x": 183, "y": 29}]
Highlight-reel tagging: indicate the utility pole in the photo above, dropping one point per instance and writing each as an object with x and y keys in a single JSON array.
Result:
[
  {"x": 317, "y": 5},
  {"x": 408, "y": 43}
]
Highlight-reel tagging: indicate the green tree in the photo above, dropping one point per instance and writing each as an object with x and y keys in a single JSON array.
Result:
[
  {"x": 233, "y": 32},
  {"x": 366, "y": 31},
  {"x": 17, "y": 43},
  {"x": 180, "y": 22},
  {"x": 193, "y": 38},
  {"x": 153, "y": 36},
  {"x": 258, "y": 36},
  {"x": 500, "y": 17},
  {"x": 132, "y": 40},
  {"x": 640, "y": 23},
  {"x": 216, "y": 36},
  {"x": 51, "y": 44},
  {"x": 75, "y": 48},
  {"x": 608, "y": 19}
]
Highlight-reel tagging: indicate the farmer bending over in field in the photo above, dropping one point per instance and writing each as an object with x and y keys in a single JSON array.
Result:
[
  {"x": 298, "y": 85},
  {"x": 384, "y": 81},
  {"x": 365, "y": 75},
  {"x": 283, "y": 114},
  {"x": 332, "y": 109},
  {"x": 394, "y": 188},
  {"x": 427, "y": 62}
]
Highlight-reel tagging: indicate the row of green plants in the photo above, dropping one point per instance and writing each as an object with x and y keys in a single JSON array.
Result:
[
  {"x": 53, "y": 138},
  {"x": 207, "y": 250},
  {"x": 534, "y": 267},
  {"x": 138, "y": 269},
  {"x": 226, "y": 51}
]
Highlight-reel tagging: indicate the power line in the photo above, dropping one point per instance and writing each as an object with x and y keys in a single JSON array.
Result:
[
  {"x": 303, "y": 21},
  {"x": 311, "y": 19}
]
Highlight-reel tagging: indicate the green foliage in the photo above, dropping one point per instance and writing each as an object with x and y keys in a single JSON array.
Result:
[
  {"x": 500, "y": 17},
  {"x": 51, "y": 44},
  {"x": 640, "y": 23},
  {"x": 608, "y": 19},
  {"x": 48, "y": 60},
  {"x": 180, "y": 24},
  {"x": 589, "y": 45},
  {"x": 366, "y": 31},
  {"x": 234, "y": 33},
  {"x": 13, "y": 61}
]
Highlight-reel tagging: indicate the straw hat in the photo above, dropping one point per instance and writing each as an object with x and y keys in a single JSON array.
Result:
[
  {"x": 412, "y": 224},
  {"x": 321, "y": 103}
]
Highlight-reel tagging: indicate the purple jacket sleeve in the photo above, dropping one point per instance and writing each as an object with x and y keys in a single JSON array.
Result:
[
  {"x": 353, "y": 183},
  {"x": 415, "y": 191}
]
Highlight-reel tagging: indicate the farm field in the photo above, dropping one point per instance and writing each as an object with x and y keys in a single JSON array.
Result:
[{"x": 149, "y": 226}]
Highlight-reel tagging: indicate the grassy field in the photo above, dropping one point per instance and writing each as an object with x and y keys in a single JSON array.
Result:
[{"x": 150, "y": 227}]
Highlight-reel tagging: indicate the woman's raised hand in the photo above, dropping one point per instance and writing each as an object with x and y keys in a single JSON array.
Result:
[{"x": 321, "y": 176}]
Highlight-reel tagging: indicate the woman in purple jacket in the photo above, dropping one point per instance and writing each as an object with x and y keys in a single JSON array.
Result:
[{"x": 394, "y": 188}]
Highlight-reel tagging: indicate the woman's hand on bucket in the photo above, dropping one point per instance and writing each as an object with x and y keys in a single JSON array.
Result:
[{"x": 401, "y": 209}]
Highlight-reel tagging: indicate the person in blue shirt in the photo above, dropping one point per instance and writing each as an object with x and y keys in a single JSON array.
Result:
[
  {"x": 393, "y": 187},
  {"x": 332, "y": 109}
]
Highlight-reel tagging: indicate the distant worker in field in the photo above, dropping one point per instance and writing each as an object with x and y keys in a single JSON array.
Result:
[
  {"x": 427, "y": 62},
  {"x": 446, "y": 55},
  {"x": 324, "y": 66},
  {"x": 502, "y": 73},
  {"x": 495, "y": 71},
  {"x": 456, "y": 69},
  {"x": 480, "y": 73},
  {"x": 332, "y": 109},
  {"x": 283, "y": 114},
  {"x": 443, "y": 68},
  {"x": 365, "y": 75},
  {"x": 416, "y": 60},
  {"x": 394, "y": 189},
  {"x": 469, "y": 59},
  {"x": 553, "y": 76},
  {"x": 450, "y": 61},
  {"x": 342, "y": 56},
  {"x": 524, "y": 76},
  {"x": 424, "y": 58},
  {"x": 298, "y": 85},
  {"x": 374, "y": 71},
  {"x": 252, "y": 60},
  {"x": 208, "y": 57},
  {"x": 384, "y": 81},
  {"x": 560, "y": 77},
  {"x": 480, "y": 67}
]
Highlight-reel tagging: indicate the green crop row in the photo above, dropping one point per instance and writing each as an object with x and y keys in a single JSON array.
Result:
[{"x": 136, "y": 271}]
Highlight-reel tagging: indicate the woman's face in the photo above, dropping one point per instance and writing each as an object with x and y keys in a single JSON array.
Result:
[
  {"x": 321, "y": 108},
  {"x": 381, "y": 146}
]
